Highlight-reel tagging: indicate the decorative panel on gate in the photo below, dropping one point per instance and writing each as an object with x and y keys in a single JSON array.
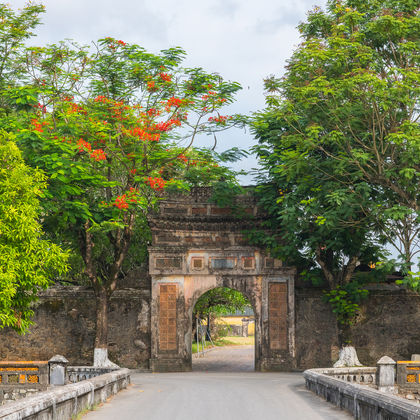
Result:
[
  {"x": 277, "y": 315},
  {"x": 167, "y": 317}
]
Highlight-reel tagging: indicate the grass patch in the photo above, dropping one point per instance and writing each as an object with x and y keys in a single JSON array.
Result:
[
  {"x": 236, "y": 341},
  {"x": 226, "y": 341},
  {"x": 84, "y": 411},
  {"x": 194, "y": 346}
]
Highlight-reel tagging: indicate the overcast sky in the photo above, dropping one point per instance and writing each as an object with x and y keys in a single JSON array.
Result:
[{"x": 243, "y": 40}]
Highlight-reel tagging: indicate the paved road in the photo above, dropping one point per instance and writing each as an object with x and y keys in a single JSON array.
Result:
[
  {"x": 212, "y": 395},
  {"x": 225, "y": 359}
]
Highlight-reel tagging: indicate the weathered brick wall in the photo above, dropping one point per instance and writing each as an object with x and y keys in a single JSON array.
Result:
[
  {"x": 65, "y": 324},
  {"x": 316, "y": 332},
  {"x": 387, "y": 325}
]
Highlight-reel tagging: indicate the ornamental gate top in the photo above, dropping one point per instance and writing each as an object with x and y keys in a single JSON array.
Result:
[{"x": 192, "y": 235}]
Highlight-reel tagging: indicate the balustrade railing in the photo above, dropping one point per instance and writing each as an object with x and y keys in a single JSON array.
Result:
[
  {"x": 408, "y": 375},
  {"x": 358, "y": 375},
  {"x": 19, "y": 379},
  {"x": 24, "y": 373},
  {"x": 81, "y": 373}
]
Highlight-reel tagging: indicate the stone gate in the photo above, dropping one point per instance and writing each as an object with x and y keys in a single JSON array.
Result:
[{"x": 198, "y": 246}]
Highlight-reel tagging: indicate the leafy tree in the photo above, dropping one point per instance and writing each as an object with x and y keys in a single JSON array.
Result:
[
  {"x": 27, "y": 261},
  {"x": 218, "y": 301},
  {"x": 112, "y": 130},
  {"x": 317, "y": 220},
  {"x": 15, "y": 28},
  {"x": 339, "y": 138},
  {"x": 354, "y": 82},
  {"x": 316, "y": 224}
]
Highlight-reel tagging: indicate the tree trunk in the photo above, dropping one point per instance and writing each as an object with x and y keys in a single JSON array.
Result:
[
  {"x": 348, "y": 355},
  {"x": 100, "y": 355},
  {"x": 407, "y": 254},
  {"x": 348, "y": 358},
  {"x": 325, "y": 266},
  {"x": 348, "y": 270},
  {"x": 343, "y": 334},
  {"x": 101, "y": 339}
]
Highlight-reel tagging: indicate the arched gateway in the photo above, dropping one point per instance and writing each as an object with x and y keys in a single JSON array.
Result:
[{"x": 197, "y": 246}]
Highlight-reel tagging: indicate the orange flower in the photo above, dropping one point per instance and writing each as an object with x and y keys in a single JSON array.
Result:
[
  {"x": 221, "y": 119},
  {"x": 156, "y": 183},
  {"x": 102, "y": 99},
  {"x": 143, "y": 135},
  {"x": 165, "y": 77},
  {"x": 151, "y": 86},
  {"x": 37, "y": 125},
  {"x": 83, "y": 146},
  {"x": 166, "y": 126},
  {"x": 120, "y": 202},
  {"x": 183, "y": 158},
  {"x": 98, "y": 155}
]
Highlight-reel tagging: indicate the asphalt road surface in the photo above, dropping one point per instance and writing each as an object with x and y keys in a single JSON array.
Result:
[
  {"x": 225, "y": 359},
  {"x": 220, "y": 387}
]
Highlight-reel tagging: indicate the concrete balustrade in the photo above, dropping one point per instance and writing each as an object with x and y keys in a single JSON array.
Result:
[
  {"x": 67, "y": 401},
  {"x": 19, "y": 379},
  {"x": 362, "y": 401}
]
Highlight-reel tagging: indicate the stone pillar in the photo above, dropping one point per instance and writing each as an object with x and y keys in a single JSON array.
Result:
[
  {"x": 245, "y": 323},
  {"x": 277, "y": 322},
  {"x": 385, "y": 374},
  {"x": 58, "y": 370},
  {"x": 169, "y": 326}
]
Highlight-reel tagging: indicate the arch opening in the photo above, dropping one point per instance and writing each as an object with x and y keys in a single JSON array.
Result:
[{"x": 223, "y": 331}]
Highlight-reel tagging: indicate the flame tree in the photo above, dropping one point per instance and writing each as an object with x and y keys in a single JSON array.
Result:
[{"x": 112, "y": 128}]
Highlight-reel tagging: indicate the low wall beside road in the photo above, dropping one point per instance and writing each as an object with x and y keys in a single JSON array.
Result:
[
  {"x": 64, "y": 402},
  {"x": 363, "y": 402},
  {"x": 20, "y": 379}
]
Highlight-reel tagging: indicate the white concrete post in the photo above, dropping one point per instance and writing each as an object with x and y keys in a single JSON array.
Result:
[
  {"x": 385, "y": 374},
  {"x": 58, "y": 370}
]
